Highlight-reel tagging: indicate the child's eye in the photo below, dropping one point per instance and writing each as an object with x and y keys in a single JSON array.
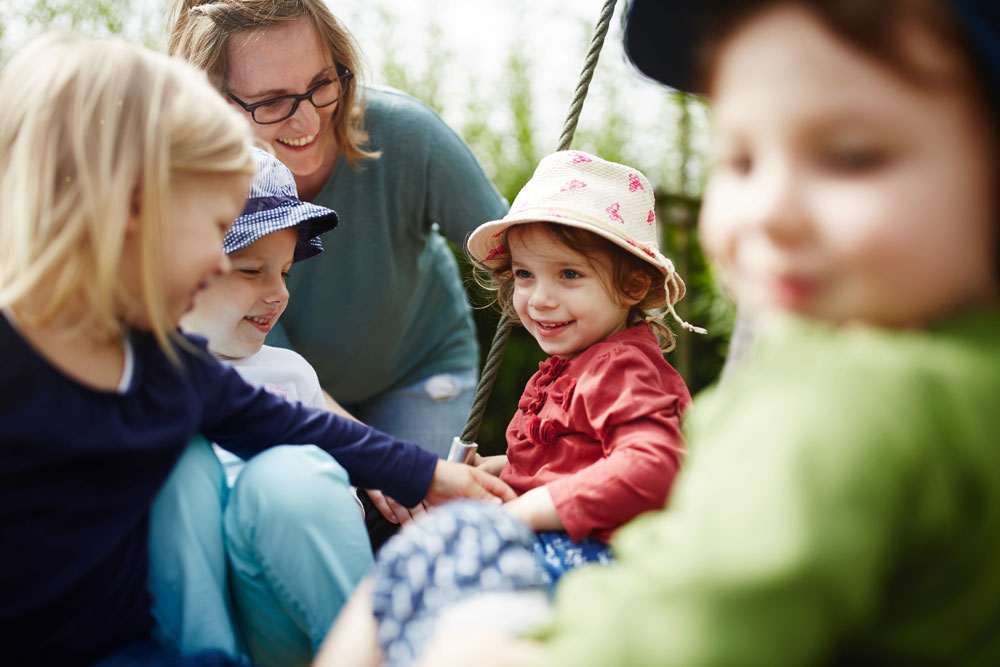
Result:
[
  {"x": 741, "y": 164},
  {"x": 284, "y": 275},
  {"x": 250, "y": 272},
  {"x": 522, "y": 274},
  {"x": 570, "y": 274},
  {"x": 853, "y": 160}
]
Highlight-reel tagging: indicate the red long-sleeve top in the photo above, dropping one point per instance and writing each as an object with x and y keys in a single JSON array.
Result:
[{"x": 602, "y": 431}]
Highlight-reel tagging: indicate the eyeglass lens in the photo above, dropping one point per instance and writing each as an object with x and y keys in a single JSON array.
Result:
[{"x": 283, "y": 107}]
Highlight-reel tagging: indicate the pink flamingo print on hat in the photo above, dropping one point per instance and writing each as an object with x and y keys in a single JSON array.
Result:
[
  {"x": 496, "y": 252},
  {"x": 573, "y": 185},
  {"x": 651, "y": 218},
  {"x": 613, "y": 213},
  {"x": 580, "y": 157},
  {"x": 634, "y": 183}
]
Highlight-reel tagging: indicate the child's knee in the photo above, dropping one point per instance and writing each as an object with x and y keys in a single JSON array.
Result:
[
  {"x": 196, "y": 481},
  {"x": 292, "y": 480}
]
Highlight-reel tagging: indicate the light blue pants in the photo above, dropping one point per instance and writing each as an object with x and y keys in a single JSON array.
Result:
[
  {"x": 262, "y": 569},
  {"x": 429, "y": 413}
]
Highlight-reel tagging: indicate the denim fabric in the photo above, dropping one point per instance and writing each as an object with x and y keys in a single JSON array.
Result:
[
  {"x": 264, "y": 571},
  {"x": 429, "y": 413}
]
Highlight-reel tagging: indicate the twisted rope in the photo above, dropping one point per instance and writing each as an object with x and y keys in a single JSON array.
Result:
[{"x": 492, "y": 365}]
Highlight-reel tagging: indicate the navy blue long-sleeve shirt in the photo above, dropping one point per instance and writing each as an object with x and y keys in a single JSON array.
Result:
[{"x": 79, "y": 469}]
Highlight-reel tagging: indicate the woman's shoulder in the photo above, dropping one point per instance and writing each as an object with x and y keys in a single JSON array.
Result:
[{"x": 388, "y": 109}]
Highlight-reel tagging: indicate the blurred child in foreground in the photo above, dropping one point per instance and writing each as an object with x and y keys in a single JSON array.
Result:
[{"x": 842, "y": 498}]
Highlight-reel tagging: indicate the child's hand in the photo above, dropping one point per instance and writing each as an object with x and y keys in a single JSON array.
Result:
[
  {"x": 457, "y": 480},
  {"x": 392, "y": 510},
  {"x": 536, "y": 509},
  {"x": 491, "y": 464}
]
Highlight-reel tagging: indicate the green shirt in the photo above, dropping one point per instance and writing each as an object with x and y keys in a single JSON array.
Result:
[
  {"x": 383, "y": 306},
  {"x": 841, "y": 503}
]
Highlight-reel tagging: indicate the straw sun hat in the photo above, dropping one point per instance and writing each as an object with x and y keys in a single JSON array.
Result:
[{"x": 581, "y": 190}]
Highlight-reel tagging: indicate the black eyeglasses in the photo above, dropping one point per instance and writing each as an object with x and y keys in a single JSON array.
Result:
[{"x": 277, "y": 109}]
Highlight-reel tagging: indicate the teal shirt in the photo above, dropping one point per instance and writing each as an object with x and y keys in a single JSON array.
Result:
[
  {"x": 383, "y": 306},
  {"x": 841, "y": 503}
]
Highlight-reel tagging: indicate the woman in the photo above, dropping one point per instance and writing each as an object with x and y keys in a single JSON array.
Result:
[{"x": 382, "y": 316}]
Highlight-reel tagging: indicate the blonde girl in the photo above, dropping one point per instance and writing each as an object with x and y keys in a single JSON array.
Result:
[{"x": 122, "y": 171}]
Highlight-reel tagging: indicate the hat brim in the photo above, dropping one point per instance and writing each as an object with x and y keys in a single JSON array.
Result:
[
  {"x": 662, "y": 38},
  {"x": 311, "y": 220},
  {"x": 485, "y": 242}
]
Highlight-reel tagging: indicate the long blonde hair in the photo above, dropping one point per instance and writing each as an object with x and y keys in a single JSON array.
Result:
[
  {"x": 199, "y": 32},
  {"x": 87, "y": 129}
]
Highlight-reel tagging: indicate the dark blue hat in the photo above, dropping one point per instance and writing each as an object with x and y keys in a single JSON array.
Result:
[
  {"x": 274, "y": 204},
  {"x": 662, "y": 36}
]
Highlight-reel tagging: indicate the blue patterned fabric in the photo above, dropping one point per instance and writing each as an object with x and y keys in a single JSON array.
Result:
[
  {"x": 558, "y": 553},
  {"x": 458, "y": 550},
  {"x": 274, "y": 204}
]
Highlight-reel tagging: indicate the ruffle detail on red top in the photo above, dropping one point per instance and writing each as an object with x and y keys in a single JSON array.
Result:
[
  {"x": 534, "y": 395},
  {"x": 540, "y": 431},
  {"x": 562, "y": 392},
  {"x": 550, "y": 369},
  {"x": 531, "y": 400}
]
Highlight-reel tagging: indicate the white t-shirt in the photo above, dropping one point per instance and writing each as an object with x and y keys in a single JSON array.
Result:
[{"x": 281, "y": 372}]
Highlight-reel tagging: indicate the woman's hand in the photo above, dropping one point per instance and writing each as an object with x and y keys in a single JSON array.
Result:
[
  {"x": 491, "y": 464},
  {"x": 392, "y": 510},
  {"x": 457, "y": 480}
]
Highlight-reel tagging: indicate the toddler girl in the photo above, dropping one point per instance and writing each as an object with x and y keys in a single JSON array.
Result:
[
  {"x": 123, "y": 170},
  {"x": 596, "y": 438}
]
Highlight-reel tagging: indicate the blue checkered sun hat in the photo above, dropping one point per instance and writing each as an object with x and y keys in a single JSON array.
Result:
[{"x": 274, "y": 204}]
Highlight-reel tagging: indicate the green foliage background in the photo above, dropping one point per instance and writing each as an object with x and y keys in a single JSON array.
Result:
[{"x": 500, "y": 127}]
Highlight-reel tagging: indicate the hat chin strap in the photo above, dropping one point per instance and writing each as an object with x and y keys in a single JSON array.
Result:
[{"x": 675, "y": 289}]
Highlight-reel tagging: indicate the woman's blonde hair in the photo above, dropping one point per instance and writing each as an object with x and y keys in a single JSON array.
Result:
[
  {"x": 94, "y": 133},
  {"x": 624, "y": 275},
  {"x": 199, "y": 32}
]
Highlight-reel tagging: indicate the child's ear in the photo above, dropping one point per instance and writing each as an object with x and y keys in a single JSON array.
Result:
[{"x": 638, "y": 286}]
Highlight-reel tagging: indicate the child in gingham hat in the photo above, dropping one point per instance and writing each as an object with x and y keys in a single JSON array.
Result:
[
  {"x": 595, "y": 440},
  {"x": 274, "y": 204},
  {"x": 237, "y": 310}
]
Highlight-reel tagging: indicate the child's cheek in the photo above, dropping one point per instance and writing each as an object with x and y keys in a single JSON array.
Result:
[{"x": 717, "y": 226}]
